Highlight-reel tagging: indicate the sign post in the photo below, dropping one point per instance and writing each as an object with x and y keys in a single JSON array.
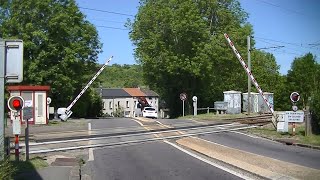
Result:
[
  {"x": 11, "y": 70},
  {"x": 195, "y": 106},
  {"x": 183, "y": 97},
  {"x": 27, "y": 114},
  {"x": 294, "y": 116}
]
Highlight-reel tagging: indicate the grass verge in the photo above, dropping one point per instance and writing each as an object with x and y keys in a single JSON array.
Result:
[
  {"x": 269, "y": 132},
  {"x": 214, "y": 117},
  {"x": 27, "y": 166}
]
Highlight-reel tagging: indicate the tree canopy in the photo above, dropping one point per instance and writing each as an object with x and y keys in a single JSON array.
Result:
[
  {"x": 181, "y": 48},
  {"x": 60, "y": 45}
]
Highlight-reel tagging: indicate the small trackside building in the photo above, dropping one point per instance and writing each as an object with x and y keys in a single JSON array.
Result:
[{"x": 35, "y": 97}]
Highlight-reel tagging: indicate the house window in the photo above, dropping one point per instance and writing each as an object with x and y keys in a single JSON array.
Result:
[
  {"x": 110, "y": 105},
  {"x": 127, "y": 104},
  {"x": 118, "y": 104}
]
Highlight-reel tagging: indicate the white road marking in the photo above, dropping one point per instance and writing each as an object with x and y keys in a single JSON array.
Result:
[
  {"x": 209, "y": 162},
  {"x": 139, "y": 122},
  {"x": 256, "y": 137},
  {"x": 89, "y": 127},
  {"x": 163, "y": 124},
  {"x": 91, "y": 156}
]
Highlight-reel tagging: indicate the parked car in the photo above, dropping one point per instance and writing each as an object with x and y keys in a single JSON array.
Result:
[{"x": 150, "y": 112}]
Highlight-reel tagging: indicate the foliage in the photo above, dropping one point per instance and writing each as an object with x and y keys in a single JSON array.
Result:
[
  {"x": 60, "y": 45},
  {"x": 120, "y": 76},
  {"x": 181, "y": 48},
  {"x": 119, "y": 112},
  {"x": 304, "y": 77},
  {"x": 266, "y": 72}
]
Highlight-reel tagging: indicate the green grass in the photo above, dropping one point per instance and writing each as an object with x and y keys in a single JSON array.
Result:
[
  {"x": 26, "y": 166},
  {"x": 213, "y": 116},
  {"x": 299, "y": 137}
]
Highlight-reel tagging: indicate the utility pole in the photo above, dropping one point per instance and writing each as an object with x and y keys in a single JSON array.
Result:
[
  {"x": 249, "y": 80},
  {"x": 2, "y": 104}
]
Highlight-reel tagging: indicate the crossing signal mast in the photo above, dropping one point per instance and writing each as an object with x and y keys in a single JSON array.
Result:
[
  {"x": 253, "y": 80},
  {"x": 65, "y": 113}
]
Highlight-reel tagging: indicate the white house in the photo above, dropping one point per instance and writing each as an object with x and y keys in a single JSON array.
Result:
[{"x": 126, "y": 99}]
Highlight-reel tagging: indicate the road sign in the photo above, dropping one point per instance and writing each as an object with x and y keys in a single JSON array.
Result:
[
  {"x": 292, "y": 116},
  {"x": 295, "y": 108},
  {"x": 48, "y": 100},
  {"x": 194, "y": 98},
  {"x": 294, "y": 97},
  {"x": 16, "y": 126},
  {"x": 27, "y": 113},
  {"x": 14, "y": 61},
  {"x": 183, "y": 96},
  {"x": 15, "y": 103}
]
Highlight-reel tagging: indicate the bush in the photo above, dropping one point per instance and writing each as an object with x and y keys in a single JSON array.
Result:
[{"x": 315, "y": 111}]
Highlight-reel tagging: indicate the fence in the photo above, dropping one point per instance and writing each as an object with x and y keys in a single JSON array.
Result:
[{"x": 207, "y": 108}]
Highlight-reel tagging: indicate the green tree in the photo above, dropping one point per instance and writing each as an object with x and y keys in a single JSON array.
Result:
[
  {"x": 304, "y": 78},
  {"x": 181, "y": 48},
  {"x": 120, "y": 76},
  {"x": 266, "y": 72},
  {"x": 60, "y": 45}
]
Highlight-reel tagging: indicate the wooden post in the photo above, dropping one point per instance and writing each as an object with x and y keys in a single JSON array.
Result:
[{"x": 307, "y": 120}]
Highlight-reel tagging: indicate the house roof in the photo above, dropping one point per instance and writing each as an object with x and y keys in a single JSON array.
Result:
[
  {"x": 149, "y": 92},
  {"x": 114, "y": 93},
  {"x": 125, "y": 92},
  {"x": 136, "y": 92}
]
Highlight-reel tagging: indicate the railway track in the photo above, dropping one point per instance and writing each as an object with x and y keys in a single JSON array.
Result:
[{"x": 83, "y": 139}]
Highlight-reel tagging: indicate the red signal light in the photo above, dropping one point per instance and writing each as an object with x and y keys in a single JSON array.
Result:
[{"x": 16, "y": 103}]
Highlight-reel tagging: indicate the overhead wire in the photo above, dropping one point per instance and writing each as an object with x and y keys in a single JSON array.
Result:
[
  {"x": 104, "y": 11},
  {"x": 281, "y": 7}
]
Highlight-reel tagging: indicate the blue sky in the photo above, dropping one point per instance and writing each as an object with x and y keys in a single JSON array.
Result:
[{"x": 294, "y": 24}]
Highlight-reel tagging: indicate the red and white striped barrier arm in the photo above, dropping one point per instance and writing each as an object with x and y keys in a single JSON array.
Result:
[{"x": 244, "y": 65}]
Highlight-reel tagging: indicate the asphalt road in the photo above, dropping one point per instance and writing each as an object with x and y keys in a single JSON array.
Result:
[
  {"x": 156, "y": 160},
  {"x": 112, "y": 123},
  {"x": 297, "y": 155},
  {"x": 152, "y": 160}
]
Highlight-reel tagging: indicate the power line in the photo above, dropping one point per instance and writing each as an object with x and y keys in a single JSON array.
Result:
[
  {"x": 284, "y": 8},
  {"x": 104, "y": 11},
  {"x": 109, "y": 27},
  {"x": 283, "y": 42}
]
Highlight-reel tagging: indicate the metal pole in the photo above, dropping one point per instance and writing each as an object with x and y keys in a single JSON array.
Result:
[
  {"x": 249, "y": 80},
  {"x": 2, "y": 104},
  {"x": 27, "y": 140},
  {"x": 16, "y": 147},
  {"x": 183, "y": 108}
]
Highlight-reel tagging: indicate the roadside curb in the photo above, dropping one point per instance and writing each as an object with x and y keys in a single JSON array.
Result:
[
  {"x": 283, "y": 141},
  {"x": 290, "y": 142},
  {"x": 258, "y": 165}
]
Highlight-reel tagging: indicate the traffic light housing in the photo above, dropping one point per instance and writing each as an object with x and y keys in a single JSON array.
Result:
[
  {"x": 15, "y": 103},
  {"x": 294, "y": 97}
]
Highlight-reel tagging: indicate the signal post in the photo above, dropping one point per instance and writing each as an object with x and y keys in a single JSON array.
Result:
[{"x": 16, "y": 104}]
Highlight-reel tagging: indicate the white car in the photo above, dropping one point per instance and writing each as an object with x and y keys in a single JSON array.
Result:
[{"x": 150, "y": 112}]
